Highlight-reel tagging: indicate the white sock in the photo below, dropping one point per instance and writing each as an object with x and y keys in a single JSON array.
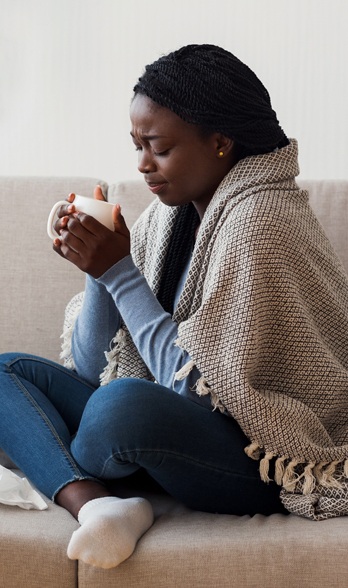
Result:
[{"x": 110, "y": 529}]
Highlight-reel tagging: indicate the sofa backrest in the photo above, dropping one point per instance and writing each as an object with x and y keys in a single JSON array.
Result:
[
  {"x": 36, "y": 284},
  {"x": 329, "y": 200}
]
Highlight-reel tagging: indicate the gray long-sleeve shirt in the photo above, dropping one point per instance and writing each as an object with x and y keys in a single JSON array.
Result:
[{"x": 123, "y": 292}]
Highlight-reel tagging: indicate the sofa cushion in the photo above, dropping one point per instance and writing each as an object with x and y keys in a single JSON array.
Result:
[
  {"x": 33, "y": 547},
  {"x": 200, "y": 550}
]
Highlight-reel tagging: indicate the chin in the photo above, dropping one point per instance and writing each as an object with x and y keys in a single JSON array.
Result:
[{"x": 172, "y": 201}]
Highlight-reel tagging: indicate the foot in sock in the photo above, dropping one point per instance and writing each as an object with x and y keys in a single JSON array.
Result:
[{"x": 110, "y": 529}]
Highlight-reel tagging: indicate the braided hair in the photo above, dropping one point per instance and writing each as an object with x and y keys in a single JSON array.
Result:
[{"x": 207, "y": 86}]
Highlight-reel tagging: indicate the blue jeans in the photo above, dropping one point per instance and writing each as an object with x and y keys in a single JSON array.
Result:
[{"x": 57, "y": 428}]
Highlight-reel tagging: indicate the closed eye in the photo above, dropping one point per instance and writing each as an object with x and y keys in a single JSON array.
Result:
[
  {"x": 156, "y": 153},
  {"x": 160, "y": 153}
]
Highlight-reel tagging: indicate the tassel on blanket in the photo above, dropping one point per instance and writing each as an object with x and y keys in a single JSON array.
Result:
[
  {"x": 264, "y": 467},
  {"x": 202, "y": 389},
  {"x": 279, "y": 470},
  {"x": 66, "y": 353},
  {"x": 318, "y": 471},
  {"x": 110, "y": 371},
  {"x": 253, "y": 450},
  {"x": 184, "y": 371},
  {"x": 310, "y": 480},
  {"x": 328, "y": 480},
  {"x": 345, "y": 468},
  {"x": 290, "y": 477}
]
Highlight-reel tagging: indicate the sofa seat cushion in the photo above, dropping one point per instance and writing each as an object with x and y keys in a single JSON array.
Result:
[
  {"x": 200, "y": 550},
  {"x": 33, "y": 547}
]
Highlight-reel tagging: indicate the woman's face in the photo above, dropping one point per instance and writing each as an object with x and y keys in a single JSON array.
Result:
[{"x": 179, "y": 165}]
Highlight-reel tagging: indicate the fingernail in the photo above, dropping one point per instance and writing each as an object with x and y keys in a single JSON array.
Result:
[{"x": 71, "y": 208}]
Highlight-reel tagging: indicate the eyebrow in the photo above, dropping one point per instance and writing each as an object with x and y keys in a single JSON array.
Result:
[{"x": 149, "y": 137}]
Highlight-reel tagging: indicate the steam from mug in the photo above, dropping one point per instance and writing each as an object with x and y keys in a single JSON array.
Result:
[{"x": 99, "y": 209}]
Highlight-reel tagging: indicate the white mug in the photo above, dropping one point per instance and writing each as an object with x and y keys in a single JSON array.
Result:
[{"x": 99, "y": 209}]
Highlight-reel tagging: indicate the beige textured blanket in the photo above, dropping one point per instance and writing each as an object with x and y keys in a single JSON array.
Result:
[{"x": 264, "y": 317}]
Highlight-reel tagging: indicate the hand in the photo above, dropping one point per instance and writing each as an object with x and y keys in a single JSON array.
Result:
[
  {"x": 64, "y": 211},
  {"x": 88, "y": 244}
]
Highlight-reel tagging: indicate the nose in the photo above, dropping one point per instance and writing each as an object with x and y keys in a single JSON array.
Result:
[{"x": 146, "y": 163}]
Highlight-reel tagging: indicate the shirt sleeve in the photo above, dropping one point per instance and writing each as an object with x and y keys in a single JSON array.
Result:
[
  {"x": 152, "y": 329},
  {"x": 95, "y": 327}
]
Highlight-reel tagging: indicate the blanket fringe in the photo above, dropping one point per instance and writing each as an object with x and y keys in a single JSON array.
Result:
[
  {"x": 201, "y": 385},
  {"x": 66, "y": 354},
  {"x": 290, "y": 477},
  {"x": 254, "y": 451},
  {"x": 318, "y": 470},
  {"x": 313, "y": 474},
  {"x": 279, "y": 470},
  {"x": 328, "y": 480},
  {"x": 345, "y": 468},
  {"x": 184, "y": 371},
  {"x": 264, "y": 467},
  {"x": 110, "y": 371},
  {"x": 309, "y": 479},
  {"x": 178, "y": 343},
  {"x": 202, "y": 389}
]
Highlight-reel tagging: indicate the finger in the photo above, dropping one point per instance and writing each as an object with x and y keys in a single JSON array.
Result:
[
  {"x": 65, "y": 210},
  {"x": 72, "y": 241},
  {"x": 98, "y": 194},
  {"x": 57, "y": 247},
  {"x": 119, "y": 222},
  {"x": 60, "y": 224},
  {"x": 66, "y": 252},
  {"x": 70, "y": 255},
  {"x": 68, "y": 208},
  {"x": 89, "y": 223}
]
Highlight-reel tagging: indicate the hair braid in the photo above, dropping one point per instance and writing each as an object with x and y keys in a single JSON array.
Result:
[
  {"x": 179, "y": 247},
  {"x": 208, "y": 86}
]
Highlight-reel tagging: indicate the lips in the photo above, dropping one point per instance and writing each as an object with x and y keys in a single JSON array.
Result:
[{"x": 155, "y": 187}]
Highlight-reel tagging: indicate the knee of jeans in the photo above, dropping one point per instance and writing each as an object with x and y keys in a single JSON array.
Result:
[{"x": 123, "y": 405}]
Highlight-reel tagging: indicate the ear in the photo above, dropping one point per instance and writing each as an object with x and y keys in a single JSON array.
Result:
[{"x": 223, "y": 146}]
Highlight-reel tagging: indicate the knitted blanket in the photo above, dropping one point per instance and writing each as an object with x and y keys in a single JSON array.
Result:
[{"x": 264, "y": 316}]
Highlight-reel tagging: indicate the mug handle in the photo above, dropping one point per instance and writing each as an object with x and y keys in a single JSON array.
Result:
[{"x": 51, "y": 218}]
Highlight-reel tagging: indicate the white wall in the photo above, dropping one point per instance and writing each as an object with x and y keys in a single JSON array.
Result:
[{"x": 67, "y": 69}]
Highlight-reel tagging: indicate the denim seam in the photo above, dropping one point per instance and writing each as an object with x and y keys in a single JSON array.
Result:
[
  {"x": 48, "y": 423},
  {"x": 178, "y": 455},
  {"x": 54, "y": 365}
]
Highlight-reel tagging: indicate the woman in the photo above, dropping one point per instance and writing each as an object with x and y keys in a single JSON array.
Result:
[{"x": 227, "y": 296}]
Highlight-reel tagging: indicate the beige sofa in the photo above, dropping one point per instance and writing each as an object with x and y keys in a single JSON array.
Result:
[{"x": 183, "y": 548}]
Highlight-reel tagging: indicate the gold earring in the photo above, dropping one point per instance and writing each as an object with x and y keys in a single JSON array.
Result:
[{"x": 221, "y": 153}]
